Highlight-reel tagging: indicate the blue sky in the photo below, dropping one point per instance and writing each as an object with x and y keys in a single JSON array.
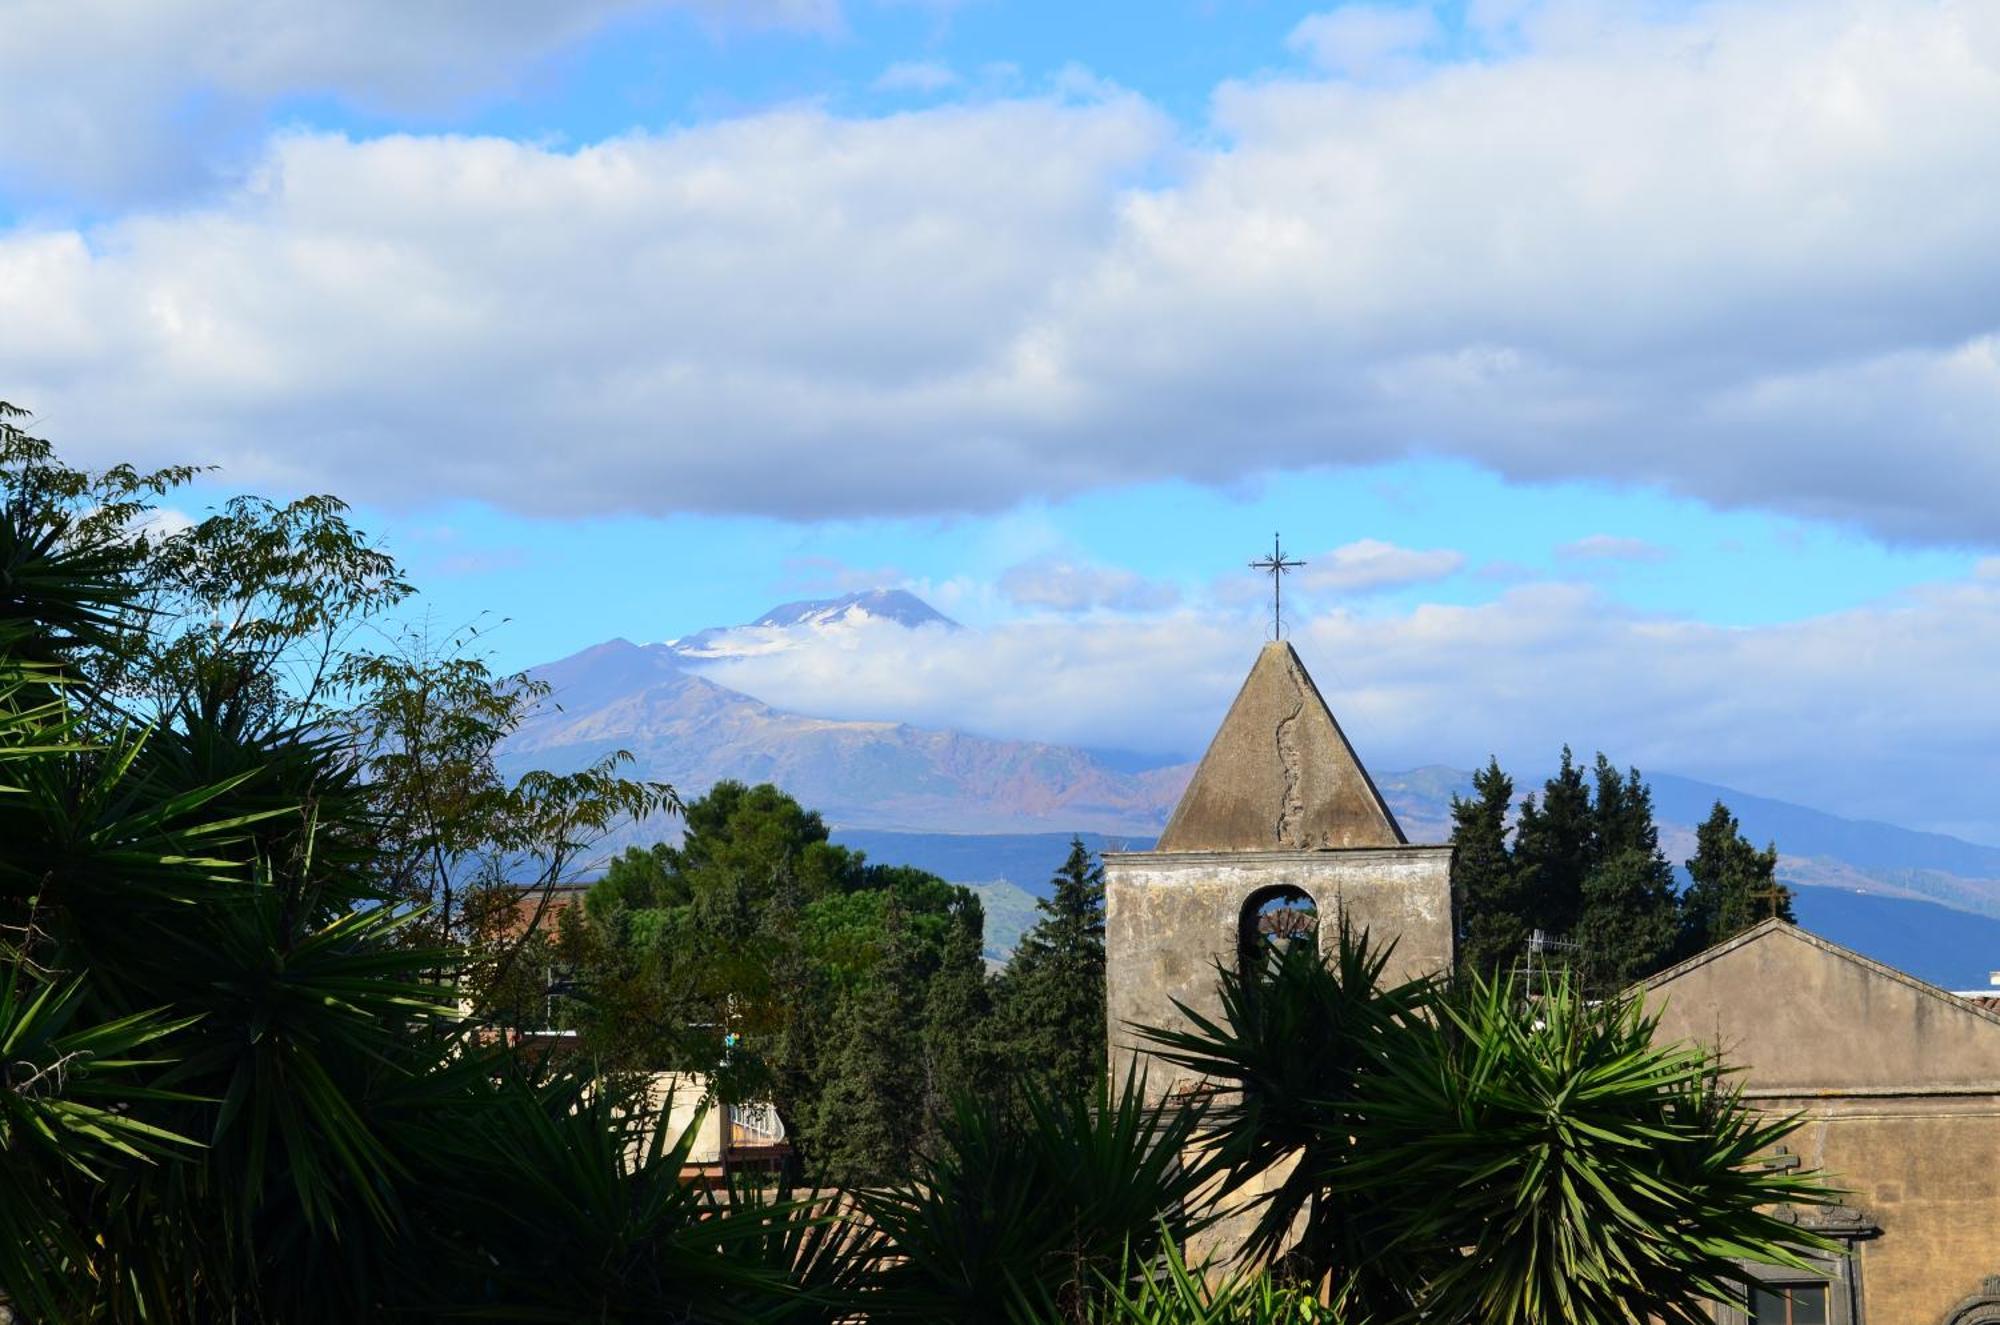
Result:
[
  {"x": 568, "y": 584},
  {"x": 1628, "y": 375}
]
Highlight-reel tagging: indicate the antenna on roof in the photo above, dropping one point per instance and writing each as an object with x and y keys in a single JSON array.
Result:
[{"x": 1276, "y": 566}]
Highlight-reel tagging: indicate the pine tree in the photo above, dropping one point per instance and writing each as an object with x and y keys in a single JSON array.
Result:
[
  {"x": 1626, "y": 923},
  {"x": 1554, "y": 850},
  {"x": 870, "y": 1110},
  {"x": 1732, "y": 885},
  {"x": 957, "y": 1049},
  {"x": 1627, "y": 927},
  {"x": 1493, "y": 926},
  {"x": 1052, "y": 994}
]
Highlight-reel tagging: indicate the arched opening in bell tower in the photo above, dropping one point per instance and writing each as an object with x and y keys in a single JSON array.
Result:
[{"x": 1275, "y": 920}]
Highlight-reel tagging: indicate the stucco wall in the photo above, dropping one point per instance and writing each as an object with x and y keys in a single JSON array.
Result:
[
  {"x": 684, "y": 1095},
  {"x": 1169, "y": 917},
  {"x": 1800, "y": 1014},
  {"x": 1900, "y": 1087},
  {"x": 1927, "y": 1170}
]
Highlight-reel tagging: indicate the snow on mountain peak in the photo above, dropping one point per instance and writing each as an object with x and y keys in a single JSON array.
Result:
[
  {"x": 788, "y": 624},
  {"x": 897, "y": 605}
]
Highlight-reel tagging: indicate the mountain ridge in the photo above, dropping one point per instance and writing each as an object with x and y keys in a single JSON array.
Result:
[{"x": 686, "y": 727}]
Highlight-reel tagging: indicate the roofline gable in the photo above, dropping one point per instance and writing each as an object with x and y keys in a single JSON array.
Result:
[{"x": 1763, "y": 929}]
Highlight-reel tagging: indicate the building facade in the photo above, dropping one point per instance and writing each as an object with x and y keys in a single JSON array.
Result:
[
  {"x": 1282, "y": 832},
  {"x": 1897, "y": 1084},
  {"x": 1281, "y": 826}
]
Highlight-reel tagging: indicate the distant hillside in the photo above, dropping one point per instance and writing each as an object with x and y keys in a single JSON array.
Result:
[
  {"x": 915, "y": 794},
  {"x": 1010, "y": 913},
  {"x": 693, "y": 732},
  {"x": 1011, "y": 870},
  {"x": 1816, "y": 850}
]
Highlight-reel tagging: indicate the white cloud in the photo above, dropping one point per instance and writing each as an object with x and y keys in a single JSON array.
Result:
[
  {"x": 1371, "y": 564},
  {"x": 1707, "y": 254},
  {"x": 1826, "y": 711},
  {"x": 112, "y": 99},
  {"x": 1611, "y": 547},
  {"x": 1366, "y": 41},
  {"x": 1070, "y": 586},
  {"x": 922, "y": 76}
]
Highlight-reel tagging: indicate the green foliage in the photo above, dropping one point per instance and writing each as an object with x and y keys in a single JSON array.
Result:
[
  {"x": 563, "y": 1201},
  {"x": 251, "y": 880},
  {"x": 1585, "y": 869},
  {"x": 1031, "y": 1215},
  {"x": 223, "y": 1049},
  {"x": 1475, "y": 1154},
  {"x": 1173, "y": 1293},
  {"x": 61, "y": 1124},
  {"x": 1292, "y": 1052},
  {"x": 69, "y": 550},
  {"x": 1495, "y": 922},
  {"x": 1732, "y": 884},
  {"x": 1050, "y": 1000},
  {"x": 426, "y": 723},
  {"x": 1571, "y": 1168},
  {"x": 852, "y": 996},
  {"x": 1554, "y": 849}
]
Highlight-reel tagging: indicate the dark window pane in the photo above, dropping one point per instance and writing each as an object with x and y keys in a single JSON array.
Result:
[
  {"x": 1809, "y": 1305},
  {"x": 1767, "y": 1307}
]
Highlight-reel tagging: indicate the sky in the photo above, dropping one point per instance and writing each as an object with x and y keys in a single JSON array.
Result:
[{"x": 1627, "y": 374}]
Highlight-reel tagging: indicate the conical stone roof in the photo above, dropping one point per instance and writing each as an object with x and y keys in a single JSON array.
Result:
[{"x": 1280, "y": 775}]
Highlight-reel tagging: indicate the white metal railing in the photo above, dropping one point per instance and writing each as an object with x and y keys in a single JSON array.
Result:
[{"x": 757, "y": 1124}]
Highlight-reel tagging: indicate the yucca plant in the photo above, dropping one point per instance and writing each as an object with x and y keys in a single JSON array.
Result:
[
  {"x": 562, "y": 1200},
  {"x": 1298, "y": 1040},
  {"x": 65, "y": 1091},
  {"x": 1017, "y": 1215},
  {"x": 1471, "y": 1154},
  {"x": 1171, "y": 1292},
  {"x": 1573, "y": 1167}
]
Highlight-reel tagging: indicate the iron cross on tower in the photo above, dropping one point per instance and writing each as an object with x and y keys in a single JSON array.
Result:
[{"x": 1275, "y": 566}]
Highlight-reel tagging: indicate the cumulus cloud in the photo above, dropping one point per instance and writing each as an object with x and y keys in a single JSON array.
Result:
[
  {"x": 916, "y": 76},
  {"x": 1371, "y": 564},
  {"x": 1362, "y": 41},
  {"x": 1069, "y": 586},
  {"x": 114, "y": 100},
  {"x": 1821, "y": 711},
  {"x": 1703, "y": 253},
  {"x": 1611, "y": 547}
]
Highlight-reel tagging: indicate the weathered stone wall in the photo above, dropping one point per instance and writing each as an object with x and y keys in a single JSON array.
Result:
[
  {"x": 1899, "y": 1084},
  {"x": 1279, "y": 774},
  {"x": 1799, "y": 1014},
  {"x": 1170, "y": 916},
  {"x": 1926, "y": 1169}
]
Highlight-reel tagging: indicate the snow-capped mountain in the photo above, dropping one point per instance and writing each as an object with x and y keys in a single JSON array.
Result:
[
  {"x": 690, "y": 730},
  {"x": 670, "y": 708},
  {"x": 789, "y": 624}
]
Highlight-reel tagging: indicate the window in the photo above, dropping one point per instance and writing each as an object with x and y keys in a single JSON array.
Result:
[
  {"x": 1789, "y": 1304},
  {"x": 1275, "y": 919},
  {"x": 1827, "y": 1294}
]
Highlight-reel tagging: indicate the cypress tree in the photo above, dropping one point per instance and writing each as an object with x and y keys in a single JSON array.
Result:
[
  {"x": 1492, "y": 925},
  {"x": 871, "y": 1105},
  {"x": 1627, "y": 927},
  {"x": 1626, "y": 923},
  {"x": 1732, "y": 885},
  {"x": 1554, "y": 850},
  {"x": 957, "y": 1006},
  {"x": 1052, "y": 994}
]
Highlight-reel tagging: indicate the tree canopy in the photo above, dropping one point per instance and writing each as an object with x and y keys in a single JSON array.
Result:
[{"x": 1581, "y": 865}]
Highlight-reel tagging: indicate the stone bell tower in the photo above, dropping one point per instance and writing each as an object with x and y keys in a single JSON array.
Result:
[{"x": 1281, "y": 830}]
